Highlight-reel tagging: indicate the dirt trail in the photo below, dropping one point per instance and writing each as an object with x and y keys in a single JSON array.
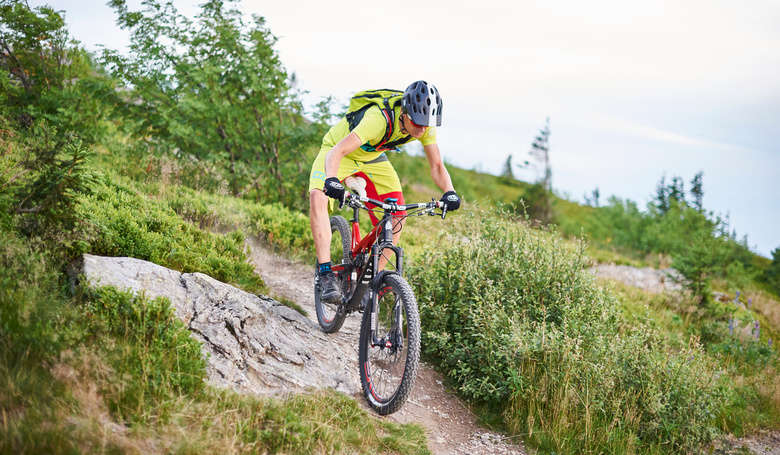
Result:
[{"x": 451, "y": 427}]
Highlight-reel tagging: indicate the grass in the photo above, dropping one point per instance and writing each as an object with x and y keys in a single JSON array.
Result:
[
  {"x": 106, "y": 371},
  {"x": 125, "y": 377}
]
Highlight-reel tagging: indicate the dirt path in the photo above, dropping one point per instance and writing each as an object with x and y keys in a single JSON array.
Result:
[{"x": 451, "y": 427}]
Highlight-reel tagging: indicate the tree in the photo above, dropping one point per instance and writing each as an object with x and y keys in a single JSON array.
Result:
[
  {"x": 676, "y": 190},
  {"x": 661, "y": 199},
  {"x": 214, "y": 91},
  {"x": 537, "y": 200},
  {"x": 697, "y": 191},
  {"x": 702, "y": 254},
  {"x": 507, "y": 173},
  {"x": 44, "y": 75},
  {"x": 666, "y": 195},
  {"x": 48, "y": 90},
  {"x": 593, "y": 198},
  {"x": 772, "y": 274},
  {"x": 540, "y": 153}
]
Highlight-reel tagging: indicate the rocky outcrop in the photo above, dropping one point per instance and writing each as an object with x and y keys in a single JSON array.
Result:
[
  {"x": 646, "y": 278},
  {"x": 252, "y": 343}
]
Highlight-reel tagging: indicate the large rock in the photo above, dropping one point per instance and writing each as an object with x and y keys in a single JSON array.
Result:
[
  {"x": 252, "y": 343},
  {"x": 646, "y": 278}
]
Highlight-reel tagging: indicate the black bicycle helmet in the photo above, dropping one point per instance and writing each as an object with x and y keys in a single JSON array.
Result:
[{"x": 422, "y": 102}]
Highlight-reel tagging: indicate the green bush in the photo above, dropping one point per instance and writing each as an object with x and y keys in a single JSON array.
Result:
[
  {"x": 123, "y": 222},
  {"x": 282, "y": 227},
  {"x": 513, "y": 318}
]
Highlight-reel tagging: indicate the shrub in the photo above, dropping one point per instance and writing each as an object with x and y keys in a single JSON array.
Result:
[
  {"x": 282, "y": 227},
  {"x": 512, "y": 317},
  {"x": 536, "y": 202},
  {"x": 123, "y": 222}
]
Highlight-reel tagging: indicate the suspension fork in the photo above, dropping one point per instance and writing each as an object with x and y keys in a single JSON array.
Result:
[
  {"x": 374, "y": 290},
  {"x": 385, "y": 243}
]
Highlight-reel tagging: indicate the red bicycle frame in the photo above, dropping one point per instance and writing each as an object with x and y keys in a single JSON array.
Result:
[{"x": 358, "y": 244}]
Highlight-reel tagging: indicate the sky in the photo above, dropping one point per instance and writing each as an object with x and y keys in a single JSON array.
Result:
[{"x": 634, "y": 90}]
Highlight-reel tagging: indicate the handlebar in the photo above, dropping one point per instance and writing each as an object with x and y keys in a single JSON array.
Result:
[{"x": 356, "y": 201}]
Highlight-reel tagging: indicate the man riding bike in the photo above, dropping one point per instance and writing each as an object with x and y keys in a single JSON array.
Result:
[{"x": 356, "y": 145}]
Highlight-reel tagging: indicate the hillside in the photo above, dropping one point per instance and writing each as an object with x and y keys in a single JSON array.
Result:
[{"x": 205, "y": 153}]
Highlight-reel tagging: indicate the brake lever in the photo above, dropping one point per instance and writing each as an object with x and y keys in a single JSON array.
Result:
[{"x": 444, "y": 211}]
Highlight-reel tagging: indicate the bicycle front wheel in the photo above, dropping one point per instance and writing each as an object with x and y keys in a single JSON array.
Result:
[{"x": 389, "y": 355}]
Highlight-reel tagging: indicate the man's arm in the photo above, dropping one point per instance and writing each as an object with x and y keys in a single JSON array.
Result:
[
  {"x": 345, "y": 146},
  {"x": 439, "y": 173}
]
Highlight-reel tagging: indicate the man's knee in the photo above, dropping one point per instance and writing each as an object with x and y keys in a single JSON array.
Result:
[{"x": 317, "y": 201}]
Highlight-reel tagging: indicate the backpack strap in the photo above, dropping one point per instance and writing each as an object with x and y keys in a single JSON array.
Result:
[{"x": 354, "y": 118}]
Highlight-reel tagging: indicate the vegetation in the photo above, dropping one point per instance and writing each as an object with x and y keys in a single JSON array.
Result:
[
  {"x": 514, "y": 319},
  {"x": 198, "y": 95},
  {"x": 201, "y": 131},
  {"x": 101, "y": 370}
]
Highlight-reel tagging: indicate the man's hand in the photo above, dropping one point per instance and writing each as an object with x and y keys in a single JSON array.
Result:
[
  {"x": 451, "y": 200},
  {"x": 334, "y": 189}
]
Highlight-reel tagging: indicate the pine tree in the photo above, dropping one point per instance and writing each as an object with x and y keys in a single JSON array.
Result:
[
  {"x": 697, "y": 192},
  {"x": 676, "y": 190},
  {"x": 772, "y": 274},
  {"x": 538, "y": 198},
  {"x": 661, "y": 200},
  {"x": 540, "y": 151},
  {"x": 507, "y": 173}
]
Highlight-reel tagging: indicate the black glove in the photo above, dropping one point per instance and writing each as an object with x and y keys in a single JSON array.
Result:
[
  {"x": 451, "y": 200},
  {"x": 333, "y": 188}
]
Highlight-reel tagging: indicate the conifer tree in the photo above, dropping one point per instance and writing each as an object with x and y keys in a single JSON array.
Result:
[
  {"x": 697, "y": 191},
  {"x": 661, "y": 200},
  {"x": 507, "y": 171},
  {"x": 538, "y": 198}
]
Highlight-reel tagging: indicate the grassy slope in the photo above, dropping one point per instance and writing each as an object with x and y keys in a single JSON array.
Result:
[
  {"x": 752, "y": 403},
  {"x": 218, "y": 419},
  {"x": 104, "y": 371}
]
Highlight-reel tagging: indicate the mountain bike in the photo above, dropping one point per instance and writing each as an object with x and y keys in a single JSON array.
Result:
[{"x": 389, "y": 349}]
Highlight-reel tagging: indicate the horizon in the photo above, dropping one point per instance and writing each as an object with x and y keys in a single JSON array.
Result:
[{"x": 633, "y": 92}]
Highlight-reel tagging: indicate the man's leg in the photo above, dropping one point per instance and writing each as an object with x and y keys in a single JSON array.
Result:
[
  {"x": 330, "y": 290},
  {"x": 320, "y": 224}
]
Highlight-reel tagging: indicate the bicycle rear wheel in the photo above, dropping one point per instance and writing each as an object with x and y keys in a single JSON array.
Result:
[
  {"x": 331, "y": 315},
  {"x": 388, "y": 357}
]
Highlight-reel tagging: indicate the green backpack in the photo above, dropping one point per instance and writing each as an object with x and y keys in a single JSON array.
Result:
[{"x": 387, "y": 100}]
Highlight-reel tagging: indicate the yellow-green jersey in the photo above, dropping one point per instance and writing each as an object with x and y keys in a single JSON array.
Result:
[{"x": 371, "y": 130}]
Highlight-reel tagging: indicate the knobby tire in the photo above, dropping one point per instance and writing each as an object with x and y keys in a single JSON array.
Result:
[{"x": 375, "y": 361}]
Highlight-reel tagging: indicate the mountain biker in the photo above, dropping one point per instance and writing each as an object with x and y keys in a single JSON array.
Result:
[{"x": 360, "y": 150}]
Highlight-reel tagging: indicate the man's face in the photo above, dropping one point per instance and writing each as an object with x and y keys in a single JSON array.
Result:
[{"x": 413, "y": 129}]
